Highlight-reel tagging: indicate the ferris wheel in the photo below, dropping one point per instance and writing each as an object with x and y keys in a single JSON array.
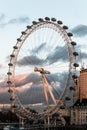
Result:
[{"x": 42, "y": 65}]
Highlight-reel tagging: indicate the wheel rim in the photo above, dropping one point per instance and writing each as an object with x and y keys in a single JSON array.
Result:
[{"x": 44, "y": 54}]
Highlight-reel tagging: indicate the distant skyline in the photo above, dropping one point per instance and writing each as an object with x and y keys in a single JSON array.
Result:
[{"x": 16, "y": 15}]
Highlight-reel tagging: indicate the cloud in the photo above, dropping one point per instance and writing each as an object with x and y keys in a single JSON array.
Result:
[
  {"x": 39, "y": 48},
  {"x": 2, "y": 17},
  {"x": 59, "y": 54},
  {"x": 30, "y": 60},
  {"x": 79, "y": 31},
  {"x": 0, "y": 65},
  {"x": 27, "y": 79},
  {"x": 34, "y": 80},
  {"x": 82, "y": 54},
  {"x": 32, "y": 95},
  {"x": 30, "y": 88},
  {"x": 33, "y": 59},
  {"x": 4, "y": 96},
  {"x": 20, "y": 20},
  {"x": 35, "y": 92},
  {"x": 57, "y": 80}
]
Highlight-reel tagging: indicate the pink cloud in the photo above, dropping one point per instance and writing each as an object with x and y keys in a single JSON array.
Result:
[
  {"x": 3, "y": 89},
  {"x": 21, "y": 77},
  {"x": 0, "y": 65}
]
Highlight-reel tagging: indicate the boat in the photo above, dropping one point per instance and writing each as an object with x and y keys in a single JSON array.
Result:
[
  {"x": 21, "y": 128},
  {"x": 9, "y": 127}
]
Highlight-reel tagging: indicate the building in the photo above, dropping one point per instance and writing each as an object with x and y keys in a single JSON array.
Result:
[
  {"x": 82, "y": 84},
  {"x": 78, "y": 111}
]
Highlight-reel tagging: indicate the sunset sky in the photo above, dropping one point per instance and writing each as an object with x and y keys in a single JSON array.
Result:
[{"x": 16, "y": 15}]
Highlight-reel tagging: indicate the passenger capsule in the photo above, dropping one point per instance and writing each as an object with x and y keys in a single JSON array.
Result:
[
  {"x": 9, "y": 73},
  {"x": 10, "y": 64},
  {"x": 34, "y": 22},
  {"x": 10, "y": 91},
  {"x": 40, "y": 19},
  {"x": 19, "y": 40},
  {"x": 59, "y": 22},
  {"x": 28, "y": 27},
  {"x": 65, "y": 27},
  {"x": 15, "y": 47},
  {"x": 73, "y": 43},
  {"x": 72, "y": 88},
  {"x": 53, "y": 19},
  {"x": 75, "y": 53},
  {"x": 70, "y": 34},
  {"x": 14, "y": 106},
  {"x": 67, "y": 98},
  {"x": 76, "y": 82},
  {"x": 74, "y": 76},
  {"x": 62, "y": 107},
  {"x": 23, "y": 33},
  {"x": 12, "y": 55},
  {"x": 9, "y": 82},
  {"x": 47, "y": 18},
  {"x": 12, "y": 99},
  {"x": 76, "y": 65}
]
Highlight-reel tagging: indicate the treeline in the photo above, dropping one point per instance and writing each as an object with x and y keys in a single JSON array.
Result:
[{"x": 8, "y": 117}]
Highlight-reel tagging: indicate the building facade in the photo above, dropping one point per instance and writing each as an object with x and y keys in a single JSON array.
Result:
[
  {"x": 78, "y": 112},
  {"x": 79, "y": 115},
  {"x": 82, "y": 84}
]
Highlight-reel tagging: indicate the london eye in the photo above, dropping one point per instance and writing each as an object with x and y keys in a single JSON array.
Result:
[{"x": 42, "y": 66}]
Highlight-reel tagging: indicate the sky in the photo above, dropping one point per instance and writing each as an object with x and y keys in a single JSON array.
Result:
[{"x": 16, "y": 15}]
